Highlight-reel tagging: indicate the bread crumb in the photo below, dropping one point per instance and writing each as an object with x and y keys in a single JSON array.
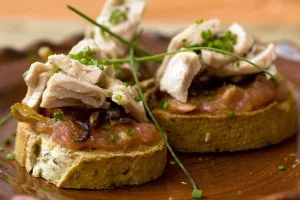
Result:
[
  {"x": 240, "y": 192},
  {"x": 172, "y": 162},
  {"x": 207, "y": 137}
]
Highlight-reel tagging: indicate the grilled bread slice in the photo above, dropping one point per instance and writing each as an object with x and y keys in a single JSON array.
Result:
[
  {"x": 94, "y": 169},
  {"x": 218, "y": 133}
]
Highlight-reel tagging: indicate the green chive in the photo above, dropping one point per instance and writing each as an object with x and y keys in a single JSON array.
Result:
[
  {"x": 5, "y": 119},
  {"x": 58, "y": 117},
  {"x": 281, "y": 168},
  {"x": 137, "y": 98},
  {"x": 125, "y": 84},
  {"x": 165, "y": 105},
  {"x": 1, "y": 149},
  {"x": 118, "y": 96},
  {"x": 10, "y": 156},
  {"x": 117, "y": 16},
  {"x": 130, "y": 132},
  {"x": 230, "y": 113},
  {"x": 6, "y": 142},
  {"x": 25, "y": 74},
  {"x": 113, "y": 138},
  {"x": 14, "y": 134},
  {"x": 57, "y": 69},
  {"x": 197, "y": 194},
  {"x": 157, "y": 125},
  {"x": 107, "y": 30}
]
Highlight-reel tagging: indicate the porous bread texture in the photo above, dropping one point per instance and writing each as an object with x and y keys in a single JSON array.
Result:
[
  {"x": 203, "y": 133},
  {"x": 95, "y": 169}
]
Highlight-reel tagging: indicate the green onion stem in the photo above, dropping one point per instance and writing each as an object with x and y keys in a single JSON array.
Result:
[
  {"x": 134, "y": 73},
  {"x": 105, "y": 29},
  {"x": 5, "y": 119},
  {"x": 158, "y": 57}
]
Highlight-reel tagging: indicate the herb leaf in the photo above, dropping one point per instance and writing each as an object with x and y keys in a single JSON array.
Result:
[{"x": 117, "y": 16}]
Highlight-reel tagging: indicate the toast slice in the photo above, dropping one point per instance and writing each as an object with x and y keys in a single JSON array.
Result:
[
  {"x": 94, "y": 169},
  {"x": 218, "y": 133}
]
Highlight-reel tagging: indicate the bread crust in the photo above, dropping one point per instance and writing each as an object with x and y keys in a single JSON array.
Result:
[
  {"x": 218, "y": 133},
  {"x": 96, "y": 169}
]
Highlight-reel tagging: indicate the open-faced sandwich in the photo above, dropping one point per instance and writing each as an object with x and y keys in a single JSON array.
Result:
[
  {"x": 79, "y": 125},
  {"x": 211, "y": 102}
]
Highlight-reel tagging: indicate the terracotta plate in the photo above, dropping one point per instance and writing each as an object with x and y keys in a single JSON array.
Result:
[{"x": 243, "y": 175}]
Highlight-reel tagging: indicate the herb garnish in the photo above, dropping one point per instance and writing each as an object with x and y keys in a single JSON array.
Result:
[
  {"x": 10, "y": 156},
  {"x": 86, "y": 57},
  {"x": 165, "y": 105},
  {"x": 5, "y": 119},
  {"x": 6, "y": 142},
  {"x": 281, "y": 168},
  {"x": 117, "y": 16},
  {"x": 157, "y": 125},
  {"x": 126, "y": 84},
  {"x": 223, "y": 42},
  {"x": 137, "y": 48},
  {"x": 130, "y": 132},
  {"x": 137, "y": 98},
  {"x": 58, "y": 116},
  {"x": 158, "y": 57},
  {"x": 118, "y": 96},
  {"x": 1, "y": 149},
  {"x": 230, "y": 113}
]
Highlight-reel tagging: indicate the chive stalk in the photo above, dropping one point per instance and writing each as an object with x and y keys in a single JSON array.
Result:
[
  {"x": 5, "y": 119},
  {"x": 135, "y": 76},
  {"x": 158, "y": 57},
  {"x": 107, "y": 30}
]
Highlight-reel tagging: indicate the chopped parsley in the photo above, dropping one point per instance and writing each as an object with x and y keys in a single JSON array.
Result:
[
  {"x": 10, "y": 156},
  {"x": 113, "y": 138},
  {"x": 117, "y": 70},
  {"x": 230, "y": 113},
  {"x": 86, "y": 57},
  {"x": 225, "y": 42},
  {"x": 58, "y": 116},
  {"x": 130, "y": 132},
  {"x": 118, "y": 96},
  {"x": 126, "y": 84},
  {"x": 1, "y": 149},
  {"x": 14, "y": 134},
  {"x": 197, "y": 194},
  {"x": 165, "y": 105},
  {"x": 281, "y": 168},
  {"x": 138, "y": 98},
  {"x": 57, "y": 69},
  {"x": 117, "y": 16},
  {"x": 6, "y": 142}
]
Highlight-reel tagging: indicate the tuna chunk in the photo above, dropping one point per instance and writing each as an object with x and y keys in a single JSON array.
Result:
[
  {"x": 89, "y": 74},
  {"x": 125, "y": 97},
  {"x": 133, "y": 10},
  {"x": 242, "y": 46},
  {"x": 264, "y": 59},
  {"x": 63, "y": 90},
  {"x": 179, "y": 74},
  {"x": 36, "y": 81},
  {"x": 189, "y": 36}
]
